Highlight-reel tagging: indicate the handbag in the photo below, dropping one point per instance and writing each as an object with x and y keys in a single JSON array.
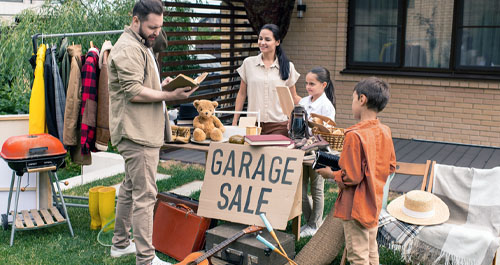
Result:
[{"x": 178, "y": 230}]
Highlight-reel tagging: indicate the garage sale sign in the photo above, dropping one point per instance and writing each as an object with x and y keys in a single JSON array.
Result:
[{"x": 242, "y": 181}]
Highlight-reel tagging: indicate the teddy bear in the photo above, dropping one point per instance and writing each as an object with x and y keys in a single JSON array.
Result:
[{"x": 206, "y": 125}]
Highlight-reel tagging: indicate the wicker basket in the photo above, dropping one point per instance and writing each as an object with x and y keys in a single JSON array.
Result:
[{"x": 336, "y": 141}]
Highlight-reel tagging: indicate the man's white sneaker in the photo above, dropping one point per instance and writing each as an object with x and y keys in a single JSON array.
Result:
[
  {"x": 302, "y": 228},
  {"x": 118, "y": 252},
  {"x": 308, "y": 231},
  {"x": 158, "y": 261}
]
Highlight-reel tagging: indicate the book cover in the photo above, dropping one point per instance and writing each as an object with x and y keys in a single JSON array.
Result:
[
  {"x": 184, "y": 81},
  {"x": 270, "y": 139}
]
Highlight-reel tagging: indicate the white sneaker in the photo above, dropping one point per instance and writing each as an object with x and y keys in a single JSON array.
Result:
[
  {"x": 118, "y": 252},
  {"x": 158, "y": 261},
  {"x": 308, "y": 231},
  {"x": 302, "y": 228}
]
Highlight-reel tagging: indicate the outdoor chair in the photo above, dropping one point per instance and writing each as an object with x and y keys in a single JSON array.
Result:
[
  {"x": 426, "y": 171},
  {"x": 472, "y": 233}
]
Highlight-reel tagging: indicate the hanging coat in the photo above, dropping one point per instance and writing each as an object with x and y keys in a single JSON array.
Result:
[
  {"x": 37, "y": 99},
  {"x": 50, "y": 96},
  {"x": 71, "y": 132},
  {"x": 64, "y": 58},
  {"x": 73, "y": 98},
  {"x": 102, "y": 129},
  {"x": 59, "y": 96},
  {"x": 90, "y": 77}
]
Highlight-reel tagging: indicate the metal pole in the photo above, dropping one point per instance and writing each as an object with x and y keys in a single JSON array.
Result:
[
  {"x": 62, "y": 202},
  {"x": 14, "y": 216},
  {"x": 10, "y": 194},
  {"x": 75, "y": 34}
]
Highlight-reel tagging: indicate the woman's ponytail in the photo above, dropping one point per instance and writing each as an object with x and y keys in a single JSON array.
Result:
[{"x": 283, "y": 61}]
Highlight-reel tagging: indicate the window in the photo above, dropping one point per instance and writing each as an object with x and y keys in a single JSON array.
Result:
[{"x": 441, "y": 36}]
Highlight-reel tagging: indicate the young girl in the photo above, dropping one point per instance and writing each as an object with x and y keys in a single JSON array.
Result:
[{"x": 321, "y": 100}]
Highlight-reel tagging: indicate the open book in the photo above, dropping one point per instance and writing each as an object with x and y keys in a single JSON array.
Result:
[{"x": 184, "y": 81}]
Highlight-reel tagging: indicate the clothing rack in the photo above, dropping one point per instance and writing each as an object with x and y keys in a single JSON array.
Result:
[{"x": 75, "y": 34}]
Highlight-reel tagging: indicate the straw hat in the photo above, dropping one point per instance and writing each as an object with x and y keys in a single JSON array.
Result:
[{"x": 419, "y": 208}]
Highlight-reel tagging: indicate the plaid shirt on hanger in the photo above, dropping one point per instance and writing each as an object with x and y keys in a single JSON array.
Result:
[{"x": 90, "y": 76}]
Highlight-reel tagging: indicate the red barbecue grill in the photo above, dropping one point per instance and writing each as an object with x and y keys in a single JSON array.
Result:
[{"x": 34, "y": 153}]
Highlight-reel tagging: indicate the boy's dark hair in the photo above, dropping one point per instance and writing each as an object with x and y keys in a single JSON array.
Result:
[
  {"x": 143, "y": 8},
  {"x": 376, "y": 91}
]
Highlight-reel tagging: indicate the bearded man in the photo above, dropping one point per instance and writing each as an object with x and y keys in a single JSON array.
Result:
[{"x": 136, "y": 125}]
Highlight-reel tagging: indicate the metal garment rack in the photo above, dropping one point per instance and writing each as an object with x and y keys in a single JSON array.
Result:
[
  {"x": 75, "y": 34},
  {"x": 63, "y": 35}
]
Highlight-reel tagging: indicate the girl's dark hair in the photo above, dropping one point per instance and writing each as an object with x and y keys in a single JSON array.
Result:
[
  {"x": 143, "y": 8},
  {"x": 323, "y": 75},
  {"x": 282, "y": 59}
]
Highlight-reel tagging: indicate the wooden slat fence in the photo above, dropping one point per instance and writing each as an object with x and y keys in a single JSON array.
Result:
[{"x": 215, "y": 37}]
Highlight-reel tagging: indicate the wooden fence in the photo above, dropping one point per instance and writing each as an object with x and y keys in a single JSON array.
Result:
[{"x": 214, "y": 38}]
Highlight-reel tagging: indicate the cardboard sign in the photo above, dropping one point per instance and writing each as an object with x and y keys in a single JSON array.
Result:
[{"x": 242, "y": 181}]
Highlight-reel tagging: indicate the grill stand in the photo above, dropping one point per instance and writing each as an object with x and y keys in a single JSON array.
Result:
[{"x": 48, "y": 218}]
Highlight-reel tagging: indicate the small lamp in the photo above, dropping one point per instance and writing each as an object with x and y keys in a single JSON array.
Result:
[{"x": 301, "y": 8}]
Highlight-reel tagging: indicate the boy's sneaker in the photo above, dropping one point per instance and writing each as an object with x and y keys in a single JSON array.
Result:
[
  {"x": 118, "y": 252},
  {"x": 158, "y": 261},
  {"x": 308, "y": 231}
]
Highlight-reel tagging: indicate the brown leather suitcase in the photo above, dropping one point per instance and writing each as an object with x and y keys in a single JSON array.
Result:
[
  {"x": 178, "y": 230},
  {"x": 176, "y": 198}
]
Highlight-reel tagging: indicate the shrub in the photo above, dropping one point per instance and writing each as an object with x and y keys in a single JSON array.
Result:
[{"x": 16, "y": 73}]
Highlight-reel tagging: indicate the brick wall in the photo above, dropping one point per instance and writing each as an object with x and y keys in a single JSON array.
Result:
[{"x": 452, "y": 110}]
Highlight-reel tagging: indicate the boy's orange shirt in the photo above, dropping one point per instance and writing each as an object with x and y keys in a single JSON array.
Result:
[{"x": 366, "y": 161}]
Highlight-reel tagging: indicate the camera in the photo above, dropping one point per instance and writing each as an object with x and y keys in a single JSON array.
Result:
[{"x": 324, "y": 159}]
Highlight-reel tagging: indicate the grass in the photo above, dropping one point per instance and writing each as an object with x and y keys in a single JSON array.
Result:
[{"x": 54, "y": 245}]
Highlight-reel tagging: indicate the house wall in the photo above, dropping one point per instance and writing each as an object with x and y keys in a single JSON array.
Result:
[
  {"x": 439, "y": 109},
  {"x": 8, "y": 9}
]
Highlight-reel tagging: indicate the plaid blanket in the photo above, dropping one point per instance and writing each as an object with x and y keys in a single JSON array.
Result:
[
  {"x": 472, "y": 234},
  {"x": 396, "y": 235}
]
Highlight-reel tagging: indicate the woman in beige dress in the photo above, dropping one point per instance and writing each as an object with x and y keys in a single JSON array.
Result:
[{"x": 260, "y": 75}]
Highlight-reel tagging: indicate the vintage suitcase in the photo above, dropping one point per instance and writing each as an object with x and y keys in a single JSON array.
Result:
[
  {"x": 247, "y": 250},
  {"x": 178, "y": 230},
  {"x": 177, "y": 198}
]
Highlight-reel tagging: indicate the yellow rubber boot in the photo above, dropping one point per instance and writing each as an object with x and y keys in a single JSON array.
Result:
[
  {"x": 107, "y": 207},
  {"x": 95, "y": 218}
]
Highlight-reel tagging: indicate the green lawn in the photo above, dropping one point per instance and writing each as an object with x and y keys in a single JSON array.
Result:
[{"x": 54, "y": 245}]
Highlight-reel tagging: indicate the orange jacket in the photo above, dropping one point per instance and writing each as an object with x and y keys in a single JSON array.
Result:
[{"x": 366, "y": 161}]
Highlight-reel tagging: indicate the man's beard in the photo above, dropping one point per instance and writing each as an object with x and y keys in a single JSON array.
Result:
[{"x": 147, "y": 42}]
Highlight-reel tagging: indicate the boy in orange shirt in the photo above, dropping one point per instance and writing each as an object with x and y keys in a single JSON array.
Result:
[{"x": 366, "y": 161}]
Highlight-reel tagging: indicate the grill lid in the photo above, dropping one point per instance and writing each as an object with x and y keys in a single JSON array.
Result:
[{"x": 31, "y": 146}]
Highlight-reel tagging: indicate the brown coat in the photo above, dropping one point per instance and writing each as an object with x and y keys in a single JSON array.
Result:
[
  {"x": 73, "y": 97},
  {"x": 71, "y": 131},
  {"x": 102, "y": 128},
  {"x": 366, "y": 161}
]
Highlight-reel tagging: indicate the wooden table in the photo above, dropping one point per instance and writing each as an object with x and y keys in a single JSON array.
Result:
[{"x": 306, "y": 163}]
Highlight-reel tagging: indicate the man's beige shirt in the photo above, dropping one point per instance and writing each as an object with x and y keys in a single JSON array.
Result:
[
  {"x": 131, "y": 69},
  {"x": 261, "y": 87}
]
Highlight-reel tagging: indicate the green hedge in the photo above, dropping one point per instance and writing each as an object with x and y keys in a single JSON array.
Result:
[{"x": 16, "y": 73}]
